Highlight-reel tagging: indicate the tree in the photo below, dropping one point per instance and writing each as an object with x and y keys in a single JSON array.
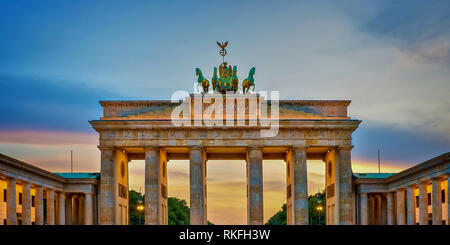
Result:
[
  {"x": 178, "y": 211},
  {"x": 280, "y": 217}
]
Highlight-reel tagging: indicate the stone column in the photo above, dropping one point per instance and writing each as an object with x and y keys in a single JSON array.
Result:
[
  {"x": 153, "y": 210},
  {"x": 81, "y": 209},
  {"x": 107, "y": 203},
  {"x": 50, "y": 207},
  {"x": 11, "y": 206},
  {"x": 364, "y": 209},
  {"x": 68, "y": 220},
  {"x": 39, "y": 207},
  {"x": 75, "y": 210},
  {"x": 383, "y": 210},
  {"x": 436, "y": 202},
  {"x": 390, "y": 208},
  {"x": 88, "y": 209},
  {"x": 26, "y": 204},
  {"x": 255, "y": 208},
  {"x": 411, "y": 217},
  {"x": 197, "y": 179},
  {"x": 61, "y": 208},
  {"x": 400, "y": 207},
  {"x": 344, "y": 169},
  {"x": 423, "y": 204},
  {"x": 448, "y": 200},
  {"x": 299, "y": 185}
]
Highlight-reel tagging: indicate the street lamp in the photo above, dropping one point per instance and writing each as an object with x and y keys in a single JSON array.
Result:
[
  {"x": 140, "y": 208},
  {"x": 319, "y": 209}
]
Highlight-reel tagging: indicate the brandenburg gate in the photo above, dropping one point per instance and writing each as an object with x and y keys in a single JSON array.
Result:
[
  {"x": 146, "y": 130},
  {"x": 225, "y": 124}
]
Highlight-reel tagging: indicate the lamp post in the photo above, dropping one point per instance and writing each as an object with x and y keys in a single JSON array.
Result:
[
  {"x": 319, "y": 209},
  {"x": 140, "y": 208}
]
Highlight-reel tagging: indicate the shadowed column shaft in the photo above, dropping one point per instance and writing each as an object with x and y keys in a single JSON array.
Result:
[
  {"x": 107, "y": 198},
  {"x": 390, "y": 208},
  {"x": 153, "y": 210},
  {"x": 364, "y": 209},
  {"x": 197, "y": 178},
  {"x": 39, "y": 209},
  {"x": 11, "y": 206},
  {"x": 26, "y": 204},
  {"x": 255, "y": 212},
  {"x": 400, "y": 207},
  {"x": 300, "y": 185},
  {"x": 423, "y": 204},
  {"x": 436, "y": 202},
  {"x": 411, "y": 205}
]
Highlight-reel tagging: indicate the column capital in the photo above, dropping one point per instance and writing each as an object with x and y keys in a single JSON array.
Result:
[
  {"x": 196, "y": 147},
  {"x": 414, "y": 185},
  {"x": 299, "y": 147},
  {"x": 438, "y": 178},
  {"x": 255, "y": 147},
  {"x": 152, "y": 147},
  {"x": 106, "y": 148},
  {"x": 344, "y": 147}
]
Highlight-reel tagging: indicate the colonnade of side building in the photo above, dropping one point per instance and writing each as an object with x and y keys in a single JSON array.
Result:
[
  {"x": 411, "y": 205},
  {"x": 26, "y": 200},
  {"x": 156, "y": 209}
]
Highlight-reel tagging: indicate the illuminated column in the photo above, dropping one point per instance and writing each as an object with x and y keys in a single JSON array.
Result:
[
  {"x": 153, "y": 210},
  {"x": 411, "y": 217},
  {"x": 423, "y": 204},
  {"x": 400, "y": 207},
  {"x": 61, "y": 208},
  {"x": 88, "y": 209},
  {"x": 11, "y": 206},
  {"x": 344, "y": 197},
  {"x": 197, "y": 179},
  {"x": 26, "y": 204},
  {"x": 436, "y": 201},
  {"x": 390, "y": 208},
  {"x": 50, "y": 207},
  {"x": 107, "y": 203},
  {"x": 39, "y": 207},
  {"x": 68, "y": 220},
  {"x": 255, "y": 212},
  {"x": 364, "y": 209}
]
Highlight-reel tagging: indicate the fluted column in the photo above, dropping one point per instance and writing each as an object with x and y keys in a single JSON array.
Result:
[
  {"x": 411, "y": 217},
  {"x": 68, "y": 220},
  {"x": 88, "y": 209},
  {"x": 383, "y": 210},
  {"x": 11, "y": 206},
  {"x": 50, "y": 207},
  {"x": 107, "y": 198},
  {"x": 436, "y": 202},
  {"x": 81, "y": 210},
  {"x": 345, "y": 198},
  {"x": 423, "y": 204},
  {"x": 364, "y": 209},
  {"x": 400, "y": 207},
  {"x": 39, "y": 207},
  {"x": 61, "y": 208},
  {"x": 300, "y": 185},
  {"x": 75, "y": 210},
  {"x": 197, "y": 179},
  {"x": 26, "y": 204},
  {"x": 153, "y": 210},
  {"x": 390, "y": 208},
  {"x": 448, "y": 200},
  {"x": 255, "y": 206}
]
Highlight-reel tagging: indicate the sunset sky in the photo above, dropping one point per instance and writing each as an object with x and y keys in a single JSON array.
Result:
[{"x": 59, "y": 58}]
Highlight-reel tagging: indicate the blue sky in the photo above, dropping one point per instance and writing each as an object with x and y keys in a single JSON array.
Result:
[{"x": 391, "y": 58}]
